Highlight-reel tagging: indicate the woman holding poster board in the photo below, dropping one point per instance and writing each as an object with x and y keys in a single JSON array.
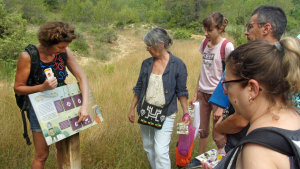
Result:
[{"x": 55, "y": 56}]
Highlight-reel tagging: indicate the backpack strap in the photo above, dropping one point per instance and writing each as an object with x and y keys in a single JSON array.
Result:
[
  {"x": 266, "y": 137},
  {"x": 204, "y": 44},
  {"x": 222, "y": 52},
  {"x": 35, "y": 58}
]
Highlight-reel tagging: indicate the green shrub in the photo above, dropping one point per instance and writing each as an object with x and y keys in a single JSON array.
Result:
[
  {"x": 182, "y": 34},
  {"x": 12, "y": 32},
  {"x": 79, "y": 44},
  {"x": 195, "y": 27},
  {"x": 119, "y": 24},
  {"x": 104, "y": 34},
  {"x": 291, "y": 23},
  {"x": 238, "y": 35},
  {"x": 53, "y": 4},
  {"x": 109, "y": 68}
]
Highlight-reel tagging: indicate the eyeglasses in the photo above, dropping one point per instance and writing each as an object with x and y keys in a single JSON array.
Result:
[
  {"x": 250, "y": 25},
  {"x": 148, "y": 47},
  {"x": 223, "y": 82}
]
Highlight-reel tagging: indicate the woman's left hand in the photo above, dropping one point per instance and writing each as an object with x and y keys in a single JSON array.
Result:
[
  {"x": 187, "y": 119},
  {"x": 83, "y": 113}
]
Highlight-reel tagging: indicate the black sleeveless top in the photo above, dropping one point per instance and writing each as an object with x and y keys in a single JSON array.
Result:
[{"x": 58, "y": 66}]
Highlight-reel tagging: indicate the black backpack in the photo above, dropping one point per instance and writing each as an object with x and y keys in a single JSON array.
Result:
[
  {"x": 270, "y": 138},
  {"x": 23, "y": 101}
]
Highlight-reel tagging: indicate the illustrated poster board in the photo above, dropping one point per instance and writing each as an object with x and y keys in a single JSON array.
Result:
[{"x": 57, "y": 112}]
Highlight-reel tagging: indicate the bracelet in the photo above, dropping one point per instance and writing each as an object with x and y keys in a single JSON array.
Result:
[{"x": 186, "y": 114}]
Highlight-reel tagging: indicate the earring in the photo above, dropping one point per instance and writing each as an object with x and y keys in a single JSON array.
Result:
[{"x": 250, "y": 99}]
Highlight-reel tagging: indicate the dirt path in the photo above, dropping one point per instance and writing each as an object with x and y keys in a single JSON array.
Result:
[{"x": 125, "y": 45}]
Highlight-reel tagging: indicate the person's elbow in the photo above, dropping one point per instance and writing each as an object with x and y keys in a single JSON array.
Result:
[{"x": 242, "y": 123}]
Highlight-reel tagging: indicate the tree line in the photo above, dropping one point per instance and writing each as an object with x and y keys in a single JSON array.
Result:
[{"x": 182, "y": 15}]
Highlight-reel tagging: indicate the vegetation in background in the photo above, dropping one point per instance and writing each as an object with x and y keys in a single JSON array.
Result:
[
  {"x": 79, "y": 44},
  {"x": 182, "y": 34}
]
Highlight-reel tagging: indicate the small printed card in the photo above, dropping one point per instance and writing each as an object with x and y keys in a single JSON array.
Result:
[
  {"x": 211, "y": 157},
  {"x": 191, "y": 111},
  {"x": 182, "y": 128},
  {"x": 49, "y": 74}
]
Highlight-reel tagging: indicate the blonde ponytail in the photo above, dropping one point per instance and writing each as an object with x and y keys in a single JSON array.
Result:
[{"x": 291, "y": 63}]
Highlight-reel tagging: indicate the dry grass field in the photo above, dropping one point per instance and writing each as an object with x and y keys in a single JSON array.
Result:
[{"x": 115, "y": 143}]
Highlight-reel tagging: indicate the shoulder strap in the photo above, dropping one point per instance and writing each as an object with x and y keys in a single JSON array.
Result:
[
  {"x": 65, "y": 57},
  {"x": 35, "y": 58},
  {"x": 267, "y": 137},
  {"x": 204, "y": 44},
  {"x": 222, "y": 52}
]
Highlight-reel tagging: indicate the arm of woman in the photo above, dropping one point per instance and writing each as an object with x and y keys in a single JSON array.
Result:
[
  {"x": 133, "y": 105},
  {"x": 75, "y": 69},
  {"x": 22, "y": 74},
  {"x": 267, "y": 158},
  {"x": 181, "y": 90},
  {"x": 137, "y": 92},
  {"x": 184, "y": 105}
]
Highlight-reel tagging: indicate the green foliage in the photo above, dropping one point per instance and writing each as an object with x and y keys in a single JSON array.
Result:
[
  {"x": 104, "y": 34},
  {"x": 292, "y": 23},
  {"x": 109, "y": 68},
  {"x": 34, "y": 11},
  {"x": 8, "y": 69},
  {"x": 238, "y": 35},
  {"x": 53, "y": 4},
  {"x": 128, "y": 15},
  {"x": 79, "y": 44},
  {"x": 181, "y": 13},
  {"x": 102, "y": 12},
  {"x": 182, "y": 34},
  {"x": 160, "y": 17},
  {"x": 12, "y": 31},
  {"x": 78, "y": 11},
  {"x": 119, "y": 24},
  {"x": 195, "y": 27}
]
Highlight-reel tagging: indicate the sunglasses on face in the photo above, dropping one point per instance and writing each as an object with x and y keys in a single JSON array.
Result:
[{"x": 250, "y": 25}]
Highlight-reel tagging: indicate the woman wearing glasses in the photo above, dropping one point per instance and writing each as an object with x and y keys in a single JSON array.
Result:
[
  {"x": 260, "y": 79},
  {"x": 211, "y": 73},
  {"x": 162, "y": 79}
]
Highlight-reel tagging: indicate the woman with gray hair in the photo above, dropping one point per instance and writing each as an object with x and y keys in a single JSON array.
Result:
[{"x": 162, "y": 78}]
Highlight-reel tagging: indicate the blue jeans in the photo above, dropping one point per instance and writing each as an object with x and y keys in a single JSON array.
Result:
[
  {"x": 156, "y": 144},
  {"x": 34, "y": 123}
]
